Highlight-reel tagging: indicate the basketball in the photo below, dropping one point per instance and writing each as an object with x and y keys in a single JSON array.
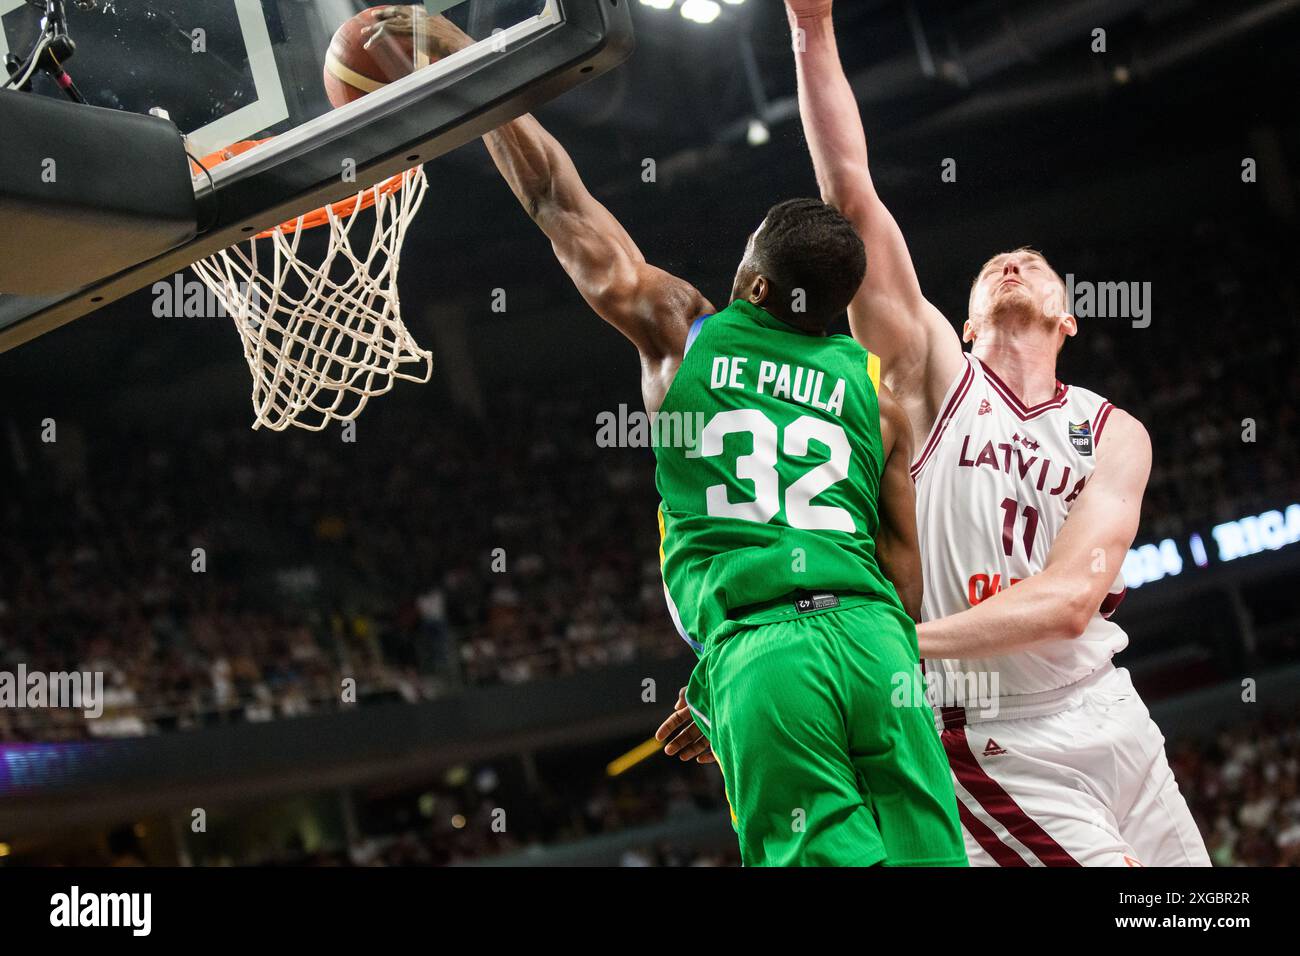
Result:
[{"x": 352, "y": 71}]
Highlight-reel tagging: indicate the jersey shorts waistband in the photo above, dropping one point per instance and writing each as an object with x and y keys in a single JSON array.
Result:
[{"x": 1015, "y": 707}]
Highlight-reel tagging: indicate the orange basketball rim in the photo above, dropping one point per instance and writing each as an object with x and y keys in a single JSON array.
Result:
[{"x": 316, "y": 217}]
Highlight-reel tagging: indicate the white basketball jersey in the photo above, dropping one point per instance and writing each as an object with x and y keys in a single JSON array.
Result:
[{"x": 995, "y": 481}]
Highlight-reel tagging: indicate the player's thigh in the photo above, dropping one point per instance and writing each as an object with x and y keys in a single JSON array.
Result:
[
  {"x": 1159, "y": 825},
  {"x": 902, "y": 770},
  {"x": 1024, "y": 802},
  {"x": 1153, "y": 816},
  {"x": 778, "y": 730}
]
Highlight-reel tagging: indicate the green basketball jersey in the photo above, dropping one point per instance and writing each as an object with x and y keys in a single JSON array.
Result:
[{"x": 769, "y": 460}]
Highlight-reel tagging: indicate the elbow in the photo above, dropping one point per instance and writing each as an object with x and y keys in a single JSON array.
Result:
[
  {"x": 851, "y": 207},
  {"x": 911, "y": 598},
  {"x": 610, "y": 291},
  {"x": 900, "y": 562},
  {"x": 912, "y": 593},
  {"x": 1063, "y": 602},
  {"x": 850, "y": 192},
  {"x": 1072, "y": 614}
]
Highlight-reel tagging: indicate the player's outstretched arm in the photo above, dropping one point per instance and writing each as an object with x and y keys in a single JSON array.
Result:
[
  {"x": 920, "y": 352},
  {"x": 1058, "y": 602},
  {"x": 648, "y": 305},
  {"x": 651, "y": 307},
  {"x": 898, "y": 548}
]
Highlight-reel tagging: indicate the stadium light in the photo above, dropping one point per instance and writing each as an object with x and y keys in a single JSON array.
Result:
[
  {"x": 758, "y": 133},
  {"x": 701, "y": 11},
  {"x": 659, "y": 4}
]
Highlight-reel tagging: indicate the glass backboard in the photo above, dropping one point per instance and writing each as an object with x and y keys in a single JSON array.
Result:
[
  {"x": 233, "y": 70},
  {"x": 229, "y": 71}
]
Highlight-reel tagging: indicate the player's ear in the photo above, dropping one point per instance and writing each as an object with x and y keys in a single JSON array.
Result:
[
  {"x": 968, "y": 331},
  {"x": 759, "y": 290},
  {"x": 1069, "y": 326}
]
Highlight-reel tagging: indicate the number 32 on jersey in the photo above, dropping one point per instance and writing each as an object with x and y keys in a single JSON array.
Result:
[{"x": 760, "y": 468}]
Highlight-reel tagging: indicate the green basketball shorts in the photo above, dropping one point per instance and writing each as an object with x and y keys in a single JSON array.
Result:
[{"x": 827, "y": 747}]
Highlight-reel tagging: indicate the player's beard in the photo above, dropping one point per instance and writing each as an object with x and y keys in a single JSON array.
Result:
[{"x": 1014, "y": 307}]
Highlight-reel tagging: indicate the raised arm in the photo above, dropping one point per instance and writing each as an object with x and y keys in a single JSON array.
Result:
[
  {"x": 651, "y": 307},
  {"x": 1057, "y": 603},
  {"x": 648, "y": 305},
  {"x": 898, "y": 549},
  {"x": 920, "y": 352}
]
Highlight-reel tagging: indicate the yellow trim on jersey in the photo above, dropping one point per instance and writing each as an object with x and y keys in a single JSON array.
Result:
[
  {"x": 662, "y": 534},
  {"x": 873, "y": 370},
  {"x": 726, "y": 794}
]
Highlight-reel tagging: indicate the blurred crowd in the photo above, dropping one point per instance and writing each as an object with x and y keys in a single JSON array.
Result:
[
  {"x": 662, "y": 814},
  {"x": 1243, "y": 786},
  {"x": 460, "y": 827},
  {"x": 1213, "y": 377},
  {"x": 237, "y": 575}
]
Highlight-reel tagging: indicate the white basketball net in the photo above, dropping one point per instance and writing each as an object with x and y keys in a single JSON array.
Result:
[{"x": 322, "y": 340}]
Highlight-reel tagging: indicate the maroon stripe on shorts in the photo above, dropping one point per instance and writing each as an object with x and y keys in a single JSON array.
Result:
[
  {"x": 998, "y": 804},
  {"x": 953, "y": 718},
  {"x": 1002, "y": 854}
]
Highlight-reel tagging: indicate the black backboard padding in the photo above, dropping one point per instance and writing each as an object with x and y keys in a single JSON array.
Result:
[{"x": 86, "y": 192}]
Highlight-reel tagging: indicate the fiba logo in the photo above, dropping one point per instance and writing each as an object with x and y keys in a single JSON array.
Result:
[{"x": 1080, "y": 435}]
